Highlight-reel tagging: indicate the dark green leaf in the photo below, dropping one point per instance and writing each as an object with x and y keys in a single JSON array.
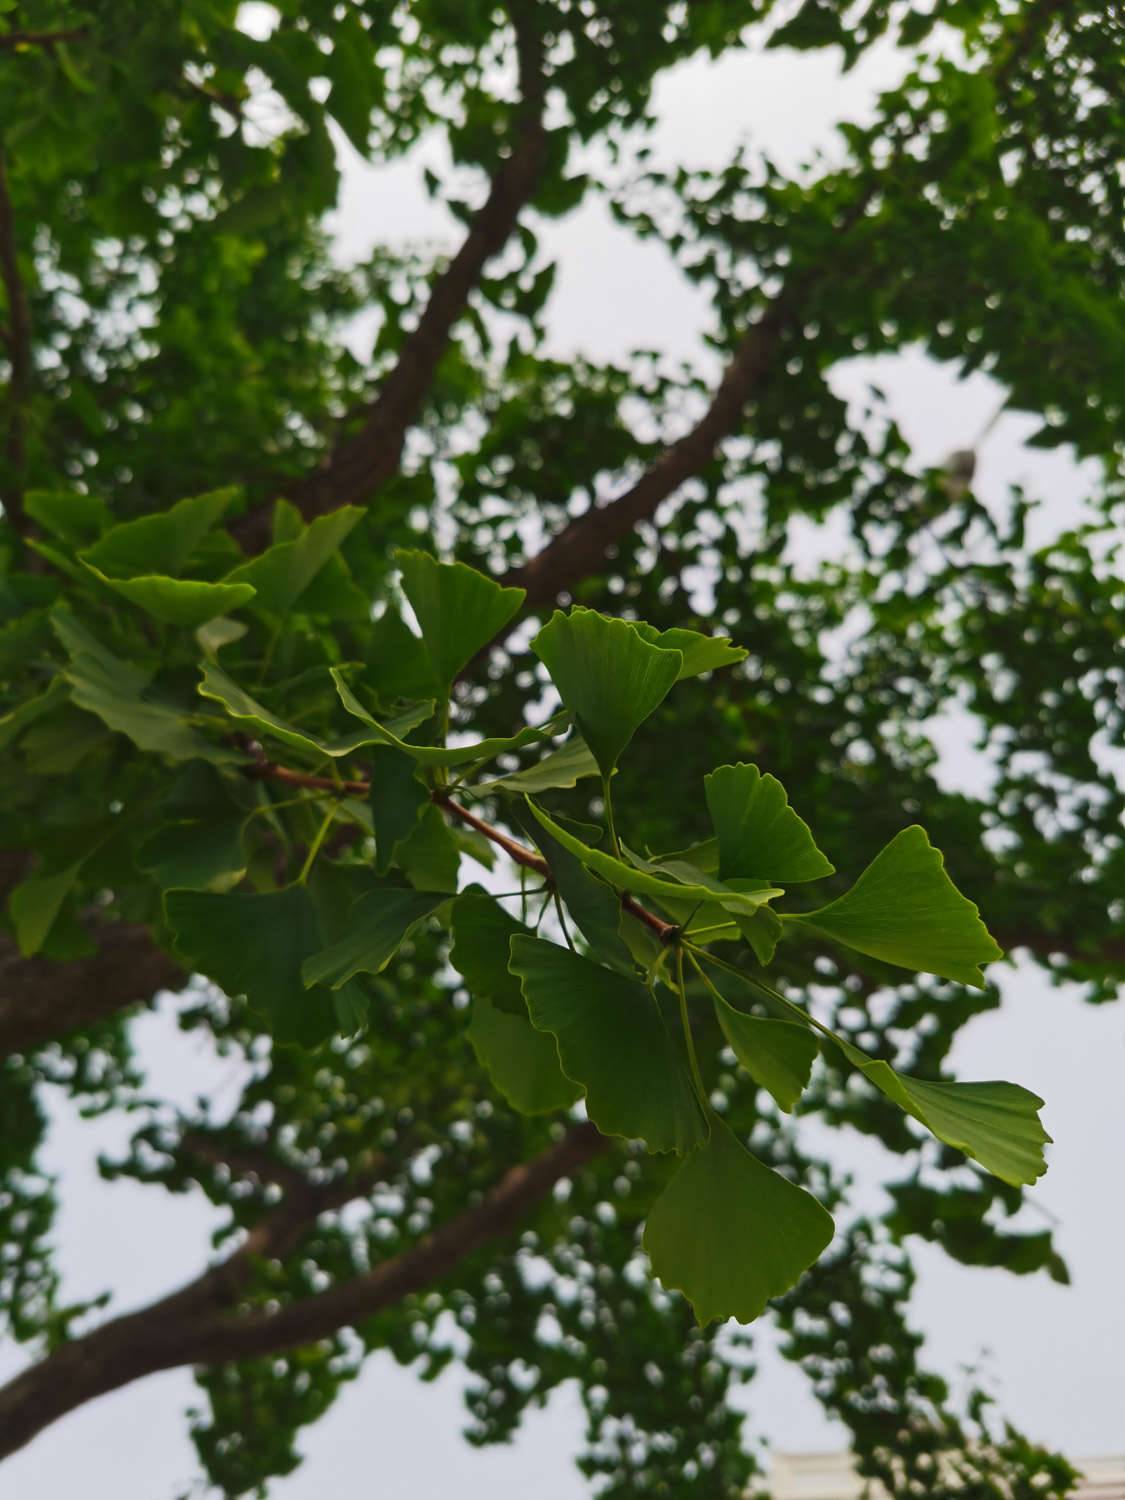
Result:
[
  {"x": 778, "y": 1055},
  {"x": 396, "y": 800},
  {"x": 378, "y": 924},
  {"x": 482, "y": 935},
  {"x": 282, "y": 573},
  {"x": 522, "y": 1062}
]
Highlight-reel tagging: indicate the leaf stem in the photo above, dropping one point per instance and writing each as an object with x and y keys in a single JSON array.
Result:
[
  {"x": 314, "y": 847},
  {"x": 685, "y": 1022},
  {"x": 607, "y": 797}
]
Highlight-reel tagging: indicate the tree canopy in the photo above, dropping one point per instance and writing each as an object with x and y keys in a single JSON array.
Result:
[{"x": 461, "y": 733}]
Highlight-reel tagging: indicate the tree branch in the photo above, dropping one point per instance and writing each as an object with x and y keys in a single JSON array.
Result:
[
  {"x": 42, "y": 999},
  {"x": 180, "y": 1330},
  {"x": 11, "y": 41},
  {"x": 19, "y": 353},
  {"x": 583, "y": 544},
  {"x": 362, "y": 463}
]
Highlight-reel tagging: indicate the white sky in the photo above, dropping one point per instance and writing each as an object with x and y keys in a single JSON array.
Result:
[{"x": 1052, "y": 1354}]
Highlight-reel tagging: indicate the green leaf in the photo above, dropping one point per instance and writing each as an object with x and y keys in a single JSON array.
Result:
[
  {"x": 282, "y": 573},
  {"x": 594, "y": 906},
  {"x": 396, "y": 800},
  {"x": 645, "y": 883},
  {"x": 458, "y": 609},
  {"x": 75, "y": 519},
  {"x": 35, "y": 904},
  {"x": 378, "y": 924},
  {"x": 160, "y": 543},
  {"x": 113, "y": 689},
  {"x": 196, "y": 854},
  {"x": 996, "y": 1123},
  {"x": 701, "y": 653},
  {"x": 614, "y": 1039},
  {"x": 244, "y": 709},
  {"x": 439, "y": 755},
  {"x": 778, "y": 1055},
  {"x": 430, "y": 858},
  {"x": 522, "y": 1062},
  {"x": 905, "y": 910},
  {"x": 179, "y": 601},
  {"x": 254, "y": 945},
  {"x": 563, "y": 767},
  {"x": 730, "y": 1233},
  {"x": 216, "y": 634},
  {"x": 607, "y": 676},
  {"x": 760, "y": 836},
  {"x": 482, "y": 935},
  {"x": 14, "y": 723},
  {"x": 397, "y": 664}
]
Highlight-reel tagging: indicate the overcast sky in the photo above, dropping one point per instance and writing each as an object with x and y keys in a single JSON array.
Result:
[{"x": 1052, "y": 1354}]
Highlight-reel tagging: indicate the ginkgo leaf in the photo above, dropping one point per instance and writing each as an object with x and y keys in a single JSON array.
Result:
[
  {"x": 430, "y": 857},
  {"x": 14, "y": 723},
  {"x": 200, "y": 854},
  {"x": 244, "y": 709},
  {"x": 378, "y": 923},
  {"x": 562, "y": 768},
  {"x": 115, "y": 691},
  {"x": 701, "y": 653},
  {"x": 74, "y": 518},
  {"x": 159, "y": 543},
  {"x": 396, "y": 800},
  {"x": 760, "y": 836},
  {"x": 254, "y": 944},
  {"x": 439, "y": 755},
  {"x": 522, "y": 1062},
  {"x": 905, "y": 910},
  {"x": 647, "y": 883},
  {"x": 614, "y": 1039},
  {"x": 458, "y": 609},
  {"x": 594, "y": 906},
  {"x": 607, "y": 676},
  {"x": 281, "y": 574},
  {"x": 482, "y": 935},
  {"x": 730, "y": 1233},
  {"x": 996, "y": 1123},
  {"x": 778, "y": 1055},
  {"x": 187, "y": 602},
  {"x": 35, "y": 904}
]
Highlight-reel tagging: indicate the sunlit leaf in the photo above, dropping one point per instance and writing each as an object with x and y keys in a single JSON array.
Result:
[
  {"x": 778, "y": 1055},
  {"x": 701, "y": 653}
]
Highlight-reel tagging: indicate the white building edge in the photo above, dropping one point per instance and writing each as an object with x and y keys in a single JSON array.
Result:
[{"x": 831, "y": 1476}]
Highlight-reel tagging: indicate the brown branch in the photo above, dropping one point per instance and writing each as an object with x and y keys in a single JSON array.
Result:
[
  {"x": 357, "y": 467},
  {"x": 583, "y": 544},
  {"x": 41, "y": 999},
  {"x": 193, "y": 1326},
  {"x": 11, "y": 40},
  {"x": 19, "y": 354}
]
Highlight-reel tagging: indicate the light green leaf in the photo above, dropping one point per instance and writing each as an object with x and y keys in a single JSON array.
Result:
[
  {"x": 439, "y": 755},
  {"x": 216, "y": 634},
  {"x": 701, "y": 653},
  {"x": 74, "y": 518},
  {"x": 607, "y": 676},
  {"x": 522, "y": 1062},
  {"x": 200, "y": 854},
  {"x": 35, "y": 904},
  {"x": 642, "y": 881},
  {"x": 996, "y": 1123},
  {"x": 760, "y": 836},
  {"x": 730, "y": 1233},
  {"x": 778, "y": 1055},
  {"x": 281, "y": 574},
  {"x": 254, "y": 945},
  {"x": 614, "y": 1040},
  {"x": 160, "y": 543},
  {"x": 563, "y": 767},
  {"x": 113, "y": 689},
  {"x": 905, "y": 910},
  {"x": 187, "y": 602},
  {"x": 482, "y": 935},
  {"x": 244, "y": 709},
  {"x": 378, "y": 924},
  {"x": 396, "y": 800},
  {"x": 458, "y": 609}
]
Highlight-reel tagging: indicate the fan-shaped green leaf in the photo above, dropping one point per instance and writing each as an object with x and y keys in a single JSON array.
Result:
[
  {"x": 482, "y": 935},
  {"x": 607, "y": 676},
  {"x": 160, "y": 543},
  {"x": 778, "y": 1055},
  {"x": 563, "y": 767},
  {"x": 187, "y": 602},
  {"x": 378, "y": 923},
  {"x": 701, "y": 653},
  {"x": 730, "y": 1233},
  {"x": 522, "y": 1062},
  {"x": 396, "y": 800},
  {"x": 281, "y": 574},
  {"x": 905, "y": 910},
  {"x": 614, "y": 1040},
  {"x": 760, "y": 836},
  {"x": 458, "y": 609}
]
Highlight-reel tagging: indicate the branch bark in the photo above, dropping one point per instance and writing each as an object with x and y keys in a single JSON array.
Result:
[
  {"x": 11, "y": 41},
  {"x": 194, "y": 1325},
  {"x": 41, "y": 999},
  {"x": 364, "y": 461}
]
